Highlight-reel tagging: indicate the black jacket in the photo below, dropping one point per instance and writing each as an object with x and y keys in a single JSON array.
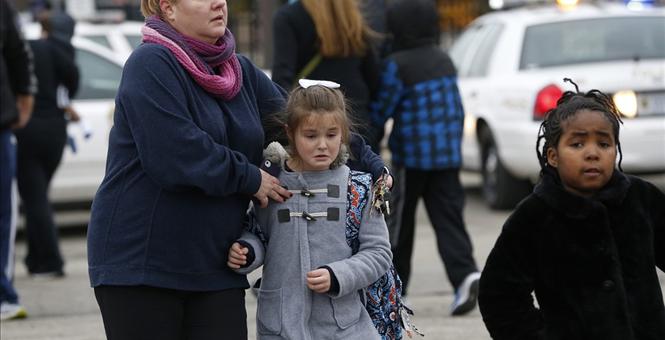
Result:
[
  {"x": 54, "y": 66},
  {"x": 15, "y": 65},
  {"x": 591, "y": 263},
  {"x": 296, "y": 42}
]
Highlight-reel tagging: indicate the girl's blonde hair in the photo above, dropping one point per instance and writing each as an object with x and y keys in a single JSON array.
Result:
[
  {"x": 151, "y": 7},
  {"x": 340, "y": 26},
  {"x": 315, "y": 100}
]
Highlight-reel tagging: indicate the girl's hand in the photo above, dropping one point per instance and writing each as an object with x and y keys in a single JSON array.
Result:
[
  {"x": 237, "y": 256},
  {"x": 318, "y": 280},
  {"x": 270, "y": 189}
]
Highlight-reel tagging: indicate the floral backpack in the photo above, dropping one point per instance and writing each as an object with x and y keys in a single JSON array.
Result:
[{"x": 383, "y": 298}]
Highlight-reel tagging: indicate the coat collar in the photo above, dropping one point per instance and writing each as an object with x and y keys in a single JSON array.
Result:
[
  {"x": 277, "y": 154},
  {"x": 550, "y": 190}
]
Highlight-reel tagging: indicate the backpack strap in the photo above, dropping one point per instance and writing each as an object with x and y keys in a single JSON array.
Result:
[
  {"x": 383, "y": 301},
  {"x": 357, "y": 196},
  {"x": 308, "y": 68}
]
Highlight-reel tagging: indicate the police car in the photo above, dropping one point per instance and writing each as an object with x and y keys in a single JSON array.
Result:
[{"x": 511, "y": 67}]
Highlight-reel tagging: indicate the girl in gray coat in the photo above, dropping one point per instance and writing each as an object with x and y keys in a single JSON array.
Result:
[{"x": 312, "y": 280}]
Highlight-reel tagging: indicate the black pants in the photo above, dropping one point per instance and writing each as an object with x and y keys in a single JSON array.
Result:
[
  {"x": 141, "y": 312},
  {"x": 40, "y": 147},
  {"x": 444, "y": 201}
]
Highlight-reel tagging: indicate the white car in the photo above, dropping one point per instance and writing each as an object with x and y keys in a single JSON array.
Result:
[
  {"x": 120, "y": 38},
  {"x": 82, "y": 167},
  {"x": 101, "y": 51},
  {"x": 511, "y": 66}
]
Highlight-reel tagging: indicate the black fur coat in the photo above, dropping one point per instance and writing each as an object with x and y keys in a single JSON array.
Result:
[{"x": 590, "y": 262}]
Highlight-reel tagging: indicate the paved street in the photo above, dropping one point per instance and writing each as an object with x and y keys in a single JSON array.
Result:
[{"x": 66, "y": 309}]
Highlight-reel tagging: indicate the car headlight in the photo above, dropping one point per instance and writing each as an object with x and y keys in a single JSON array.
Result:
[
  {"x": 567, "y": 4},
  {"x": 626, "y": 103}
]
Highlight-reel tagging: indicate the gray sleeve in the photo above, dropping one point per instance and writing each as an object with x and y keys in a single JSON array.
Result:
[{"x": 373, "y": 258}]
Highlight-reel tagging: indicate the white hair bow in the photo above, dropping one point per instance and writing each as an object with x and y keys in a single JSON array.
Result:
[{"x": 305, "y": 83}]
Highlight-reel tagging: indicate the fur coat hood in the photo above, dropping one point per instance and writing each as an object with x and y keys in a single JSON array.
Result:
[
  {"x": 551, "y": 191},
  {"x": 275, "y": 156}
]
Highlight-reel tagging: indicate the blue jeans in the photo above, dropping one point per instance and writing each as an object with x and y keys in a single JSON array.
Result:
[{"x": 8, "y": 215}]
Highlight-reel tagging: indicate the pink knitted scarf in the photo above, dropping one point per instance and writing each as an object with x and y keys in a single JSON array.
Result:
[{"x": 215, "y": 67}]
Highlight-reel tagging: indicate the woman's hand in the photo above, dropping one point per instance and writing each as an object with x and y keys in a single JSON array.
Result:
[
  {"x": 24, "y": 103},
  {"x": 389, "y": 180},
  {"x": 270, "y": 189},
  {"x": 237, "y": 256},
  {"x": 72, "y": 114},
  {"x": 318, "y": 280}
]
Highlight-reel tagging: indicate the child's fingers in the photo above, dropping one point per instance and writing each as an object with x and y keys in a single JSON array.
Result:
[
  {"x": 237, "y": 257},
  {"x": 319, "y": 284},
  {"x": 318, "y": 280},
  {"x": 317, "y": 287},
  {"x": 317, "y": 272},
  {"x": 238, "y": 248},
  {"x": 235, "y": 263}
]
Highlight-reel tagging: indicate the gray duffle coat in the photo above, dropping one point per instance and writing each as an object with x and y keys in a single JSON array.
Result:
[{"x": 287, "y": 309}]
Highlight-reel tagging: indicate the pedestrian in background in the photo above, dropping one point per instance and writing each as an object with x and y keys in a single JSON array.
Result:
[
  {"x": 586, "y": 242},
  {"x": 328, "y": 39},
  {"x": 419, "y": 92},
  {"x": 41, "y": 143},
  {"x": 17, "y": 85}
]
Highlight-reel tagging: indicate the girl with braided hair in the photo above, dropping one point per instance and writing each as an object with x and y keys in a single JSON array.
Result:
[{"x": 586, "y": 242}]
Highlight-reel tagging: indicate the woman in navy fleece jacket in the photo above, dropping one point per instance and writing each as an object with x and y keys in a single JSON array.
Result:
[{"x": 181, "y": 169}]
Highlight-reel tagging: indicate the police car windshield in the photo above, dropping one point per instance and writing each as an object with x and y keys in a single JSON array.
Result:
[{"x": 593, "y": 40}]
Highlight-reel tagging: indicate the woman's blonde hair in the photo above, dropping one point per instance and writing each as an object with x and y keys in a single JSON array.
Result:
[
  {"x": 303, "y": 103},
  {"x": 340, "y": 26},
  {"x": 151, "y": 7}
]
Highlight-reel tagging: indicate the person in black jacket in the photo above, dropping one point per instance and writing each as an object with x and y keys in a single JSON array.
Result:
[
  {"x": 16, "y": 100},
  {"x": 328, "y": 39},
  {"x": 41, "y": 143},
  {"x": 586, "y": 242},
  {"x": 419, "y": 92}
]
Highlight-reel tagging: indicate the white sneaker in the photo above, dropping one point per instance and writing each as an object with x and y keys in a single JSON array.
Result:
[
  {"x": 9, "y": 311},
  {"x": 466, "y": 295}
]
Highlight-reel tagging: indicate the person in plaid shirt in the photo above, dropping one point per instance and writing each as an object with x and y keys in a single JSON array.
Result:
[{"x": 418, "y": 90}]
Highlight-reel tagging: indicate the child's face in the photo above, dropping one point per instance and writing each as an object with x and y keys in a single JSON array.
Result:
[
  {"x": 317, "y": 141},
  {"x": 586, "y": 153}
]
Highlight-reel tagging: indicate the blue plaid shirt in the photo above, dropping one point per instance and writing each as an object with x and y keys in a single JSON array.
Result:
[{"x": 428, "y": 120}]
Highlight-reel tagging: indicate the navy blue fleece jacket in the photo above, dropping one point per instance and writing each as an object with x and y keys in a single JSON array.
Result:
[{"x": 180, "y": 172}]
